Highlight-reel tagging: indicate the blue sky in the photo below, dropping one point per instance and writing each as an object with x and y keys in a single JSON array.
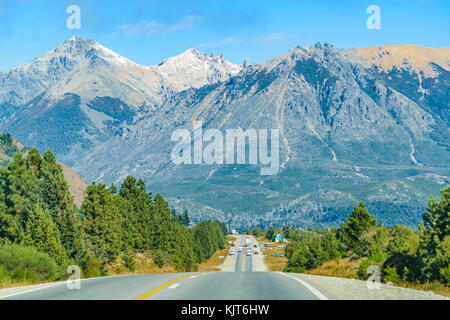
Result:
[{"x": 150, "y": 31}]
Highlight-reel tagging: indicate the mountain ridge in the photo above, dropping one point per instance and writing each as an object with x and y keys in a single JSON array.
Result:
[{"x": 349, "y": 131}]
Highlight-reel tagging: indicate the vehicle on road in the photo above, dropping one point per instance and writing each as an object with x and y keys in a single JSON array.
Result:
[
  {"x": 248, "y": 253},
  {"x": 255, "y": 252},
  {"x": 240, "y": 249},
  {"x": 231, "y": 253}
]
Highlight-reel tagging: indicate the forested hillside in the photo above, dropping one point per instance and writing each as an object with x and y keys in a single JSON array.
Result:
[
  {"x": 402, "y": 255},
  {"x": 42, "y": 231}
]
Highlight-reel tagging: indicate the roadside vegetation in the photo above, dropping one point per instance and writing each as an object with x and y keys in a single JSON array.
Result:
[
  {"x": 217, "y": 259},
  {"x": 116, "y": 230},
  {"x": 418, "y": 259}
]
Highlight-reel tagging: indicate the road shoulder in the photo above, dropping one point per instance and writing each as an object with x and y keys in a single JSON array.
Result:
[{"x": 353, "y": 289}]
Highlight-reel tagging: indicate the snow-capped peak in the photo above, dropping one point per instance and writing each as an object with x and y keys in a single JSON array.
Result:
[
  {"x": 85, "y": 67},
  {"x": 193, "y": 68}
]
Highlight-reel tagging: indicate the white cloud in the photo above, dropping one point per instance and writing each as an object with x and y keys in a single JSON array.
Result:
[
  {"x": 151, "y": 28},
  {"x": 273, "y": 37},
  {"x": 215, "y": 44},
  {"x": 265, "y": 38}
]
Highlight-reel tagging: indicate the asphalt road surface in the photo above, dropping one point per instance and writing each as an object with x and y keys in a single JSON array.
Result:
[{"x": 243, "y": 283}]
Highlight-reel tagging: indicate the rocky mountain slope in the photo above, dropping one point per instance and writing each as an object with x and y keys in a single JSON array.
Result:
[
  {"x": 194, "y": 69},
  {"x": 362, "y": 124}
]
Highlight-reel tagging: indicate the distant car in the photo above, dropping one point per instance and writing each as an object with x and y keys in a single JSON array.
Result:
[
  {"x": 255, "y": 246},
  {"x": 240, "y": 249},
  {"x": 249, "y": 253},
  {"x": 231, "y": 253},
  {"x": 233, "y": 245},
  {"x": 255, "y": 252}
]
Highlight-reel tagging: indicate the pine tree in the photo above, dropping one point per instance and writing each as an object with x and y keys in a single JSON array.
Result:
[
  {"x": 184, "y": 219},
  {"x": 42, "y": 233},
  {"x": 357, "y": 222},
  {"x": 19, "y": 192},
  {"x": 55, "y": 194},
  {"x": 103, "y": 223},
  {"x": 139, "y": 215},
  {"x": 434, "y": 245}
]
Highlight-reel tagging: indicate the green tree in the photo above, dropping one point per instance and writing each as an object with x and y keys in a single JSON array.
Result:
[
  {"x": 19, "y": 191},
  {"x": 356, "y": 224},
  {"x": 42, "y": 233},
  {"x": 56, "y": 197},
  {"x": 434, "y": 247},
  {"x": 103, "y": 222}
]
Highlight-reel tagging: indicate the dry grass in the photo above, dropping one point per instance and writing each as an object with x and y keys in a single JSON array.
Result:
[
  {"x": 273, "y": 263},
  {"x": 348, "y": 268},
  {"x": 213, "y": 263},
  {"x": 144, "y": 264},
  {"x": 8, "y": 284},
  {"x": 434, "y": 287},
  {"x": 344, "y": 268}
]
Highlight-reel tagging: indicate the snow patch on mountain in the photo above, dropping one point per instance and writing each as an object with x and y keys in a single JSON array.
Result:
[{"x": 194, "y": 69}]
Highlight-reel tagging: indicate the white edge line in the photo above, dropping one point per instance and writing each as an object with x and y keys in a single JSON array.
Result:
[
  {"x": 31, "y": 290},
  {"x": 49, "y": 285},
  {"x": 173, "y": 286},
  {"x": 316, "y": 292}
]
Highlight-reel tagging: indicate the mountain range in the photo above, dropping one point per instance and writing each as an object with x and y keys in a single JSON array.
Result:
[{"x": 368, "y": 124}]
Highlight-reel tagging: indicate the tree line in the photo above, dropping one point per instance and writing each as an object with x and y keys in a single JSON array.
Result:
[
  {"x": 40, "y": 223},
  {"x": 403, "y": 255}
]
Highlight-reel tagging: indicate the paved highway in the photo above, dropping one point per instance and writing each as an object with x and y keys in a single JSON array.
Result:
[{"x": 243, "y": 283}]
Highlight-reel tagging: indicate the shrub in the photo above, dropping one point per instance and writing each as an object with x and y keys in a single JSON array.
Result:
[
  {"x": 445, "y": 275},
  {"x": 128, "y": 261},
  {"x": 159, "y": 259},
  {"x": 5, "y": 277},
  {"x": 391, "y": 275},
  {"x": 362, "y": 270},
  {"x": 26, "y": 263},
  {"x": 94, "y": 268}
]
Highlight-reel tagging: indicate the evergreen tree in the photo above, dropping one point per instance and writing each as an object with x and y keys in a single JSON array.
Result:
[
  {"x": 19, "y": 191},
  {"x": 163, "y": 237},
  {"x": 184, "y": 219},
  {"x": 103, "y": 222},
  {"x": 42, "y": 233},
  {"x": 138, "y": 213},
  {"x": 434, "y": 247},
  {"x": 55, "y": 194},
  {"x": 356, "y": 224}
]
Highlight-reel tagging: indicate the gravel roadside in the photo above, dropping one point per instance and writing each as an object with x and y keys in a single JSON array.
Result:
[{"x": 353, "y": 289}]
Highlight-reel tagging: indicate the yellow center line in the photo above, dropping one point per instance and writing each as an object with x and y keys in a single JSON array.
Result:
[{"x": 148, "y": 294}]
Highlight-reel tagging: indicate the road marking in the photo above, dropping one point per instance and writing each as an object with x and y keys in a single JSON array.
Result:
[
  {"x": 36, "y": 287},
  {"x": 316, "y": 292},
  {"x": 148, "y": 294},
  {"x": 173, "y": 286},
  {"x": 31, "y": 290}
]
